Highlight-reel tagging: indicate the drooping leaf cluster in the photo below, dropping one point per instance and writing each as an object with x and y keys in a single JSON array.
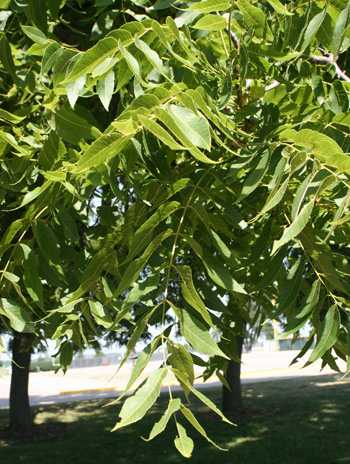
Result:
[{"x": 175, "y": 158}]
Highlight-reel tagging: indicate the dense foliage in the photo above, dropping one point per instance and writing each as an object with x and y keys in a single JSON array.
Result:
[{"x": 190, "y": 158}]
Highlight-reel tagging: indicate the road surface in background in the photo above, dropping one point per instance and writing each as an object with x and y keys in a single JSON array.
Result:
[{"x": 103, "y": 382}]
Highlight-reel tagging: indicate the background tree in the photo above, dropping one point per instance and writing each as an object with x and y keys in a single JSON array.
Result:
[{"x": 227, "y": 124}]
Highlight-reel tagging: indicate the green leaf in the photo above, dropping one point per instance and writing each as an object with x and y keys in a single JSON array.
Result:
[
  {"x": 321, "y": 259},
  {"x": 134, "y": 65},
  {"x": 4, "y": 16},
  {"x": 328, "y": 334},
  {"x": 211, "y": 22},
  {"x": 279, "y": 7},
  {"x": 253, "y": 16},
  {"x": 337, "y": 217},
  {"x": 340, "y": 29},
  {"x": 305, "y": 348},
  {"x": 220, "y": 274},
  {"x": 181, "y": 359},
  {"x": 49, "y": 245},
  {"x": 67, "y": 308},
  {"x": 226, "y": 91},
  {"x": 9, "y": 117},
  {"x": 274, "y": 198},
  {"x": 33, "y": 194},
  {"x": 244, "y": 58},
  {"x": 52, "y": 150},
  {"x": 9, "y": 138},
  {"x": 31, "y": 275},
  {"x": 160, "y": 133},
  {"x": 11, "y": 277},
  {"x": 159, "y": 427},
  {"x": 12, "y": 231},
  {"x": 190, "y": 293},
  {"x": 102, "y": 150},
  {"x": 193, "y": 421},
  {"x": 19, "y": 318},
  {"x": 296, "y": 227},
  {"x": 253, "y": 180},
  {"x": 303, "y": 312},
  {"x": 135, "y": 337},
  {"x": 138, "y": 331},
  {"x": 101, "y": 261},
  {"x": 35, "y": 34},
  {"x": 198, "y": 336},
  {"x": 208, "y": 6},
  {"x": 183, "y": 442},
  {"x": 51, "y": 54},
  {"x": 66, "y": 355},
  {"x": 93, "y": 57},
  {"x": 55, "y": 6},
  {"x": 142, "y": 360},
  {"x": 101, "y": 314},
  {"x": 144, "y": 234},
  {"x": 299, "y": 196},
  {"x": 323, "y": 147},
  {"x": 169, "y": 122},
  {"x": 289, "y": 290},
  {"x": 105, "y": 66},
  {"x": 38, "y": 15},
  {"x": 6, "y": 58},
  {"x": 105, "y": 89},
  {"x": 139, "y": 290},
  {"x": 312, "y": 28},
  {"x": 64, "y": 62},
  {"x": 201, "y": 396},
  {"x": 136, "y": 405},
  {"x": 195, "y": 128},
  {"x": 271, "y": 268},
  {"x": 72, "y": 127},
  {"x": 151, "y": 56},
  {"x": 134, "y": 269},
  {"x": 223, "y": 250},
  {"x": 74, "y": 89},
  {"x": 338, "y": 100}
]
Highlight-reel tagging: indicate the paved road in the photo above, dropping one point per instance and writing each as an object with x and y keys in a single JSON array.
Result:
[{"x": 101, "y": 382}]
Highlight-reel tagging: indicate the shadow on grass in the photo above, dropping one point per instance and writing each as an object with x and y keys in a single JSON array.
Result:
[{"x": 310, "y": 426}]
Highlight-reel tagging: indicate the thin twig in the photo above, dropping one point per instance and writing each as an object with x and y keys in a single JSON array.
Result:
[{"x": 223, "y": 44}]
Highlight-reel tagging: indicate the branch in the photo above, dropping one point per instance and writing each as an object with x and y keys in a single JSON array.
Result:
[
  {"x": 327, "y": 60},
  {"x": 273, "y": 85},
  {"x": 321, "y": 60},
  {"x": 233, "y": 36}
]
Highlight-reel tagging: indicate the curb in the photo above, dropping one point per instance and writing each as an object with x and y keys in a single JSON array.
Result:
[{"x": 173, "y": 383}]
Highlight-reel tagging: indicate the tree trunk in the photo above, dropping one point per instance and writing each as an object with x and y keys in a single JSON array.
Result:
[
  {"x": 20, "y": 418},
  {"x": 232, "y": 400}
]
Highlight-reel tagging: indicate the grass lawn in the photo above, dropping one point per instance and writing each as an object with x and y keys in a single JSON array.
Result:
[{"x": 309, "y": 424}]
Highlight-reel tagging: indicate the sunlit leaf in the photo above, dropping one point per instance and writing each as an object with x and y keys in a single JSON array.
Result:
[
  {"x": 211, "y": 22},
  {"x": 173, "y": 406},
  {"x": 198, "y": 336},
  {"x": 136, "y": 405},
  {"x": 183, "y": 442},
  {"x": 327, "y": 335},
  {"x": 296, "y": 227},
  {"x": 19, "y": 317},
  {"x": 105, "y": 89}
]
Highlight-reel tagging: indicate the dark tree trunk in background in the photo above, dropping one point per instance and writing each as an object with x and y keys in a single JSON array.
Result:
[
  {"x": 232, "y": 400},
  {"x": 20, "y": 418}
]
